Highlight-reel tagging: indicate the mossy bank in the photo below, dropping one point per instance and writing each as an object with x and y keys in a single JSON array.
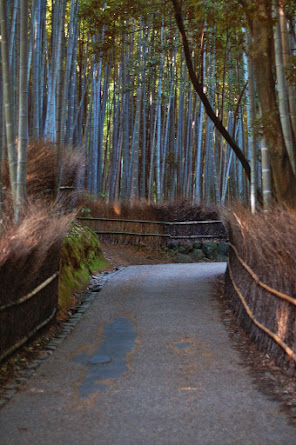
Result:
[{"x": 81, "y": 256}]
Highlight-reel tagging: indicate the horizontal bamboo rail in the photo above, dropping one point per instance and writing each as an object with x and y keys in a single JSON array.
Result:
[
  {"x": 31, "y": 294},
  {"x": 164, "y": 235},
  {"x": 187, "y": 223},
  {"x": 120, "y": 220},
  {"x": 170, "y": 236},
  {"x": 140, "y": 221},
  {"x": 107, "y": 232},
  {"x": 198, "y": 236}
]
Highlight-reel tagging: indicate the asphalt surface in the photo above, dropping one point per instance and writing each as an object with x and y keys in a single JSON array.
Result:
[{"x": 149, "y": 363}]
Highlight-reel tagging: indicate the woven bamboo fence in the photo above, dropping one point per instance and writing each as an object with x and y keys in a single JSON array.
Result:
[
  {"x": 153, "y": 234},
  {"x": 22, "y": 317},
  {"x": 267, "y": 314}
]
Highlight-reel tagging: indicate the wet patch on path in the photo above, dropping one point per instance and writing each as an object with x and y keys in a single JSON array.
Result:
[
  {"x": 110, "y": 360},
  {"x": 181, "y": 345}
]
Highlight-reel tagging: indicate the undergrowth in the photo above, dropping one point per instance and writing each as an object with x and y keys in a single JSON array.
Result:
[
  {"x": 81, "y": 256},
  {"x": 29, "y": 255},
  {"x": 26, "y": 249},
  {"x": 30, "y": 251},
  {"x": 42, "y": 172}
]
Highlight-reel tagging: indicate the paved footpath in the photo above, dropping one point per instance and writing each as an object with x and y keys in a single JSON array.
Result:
[{"x": 149, "y": 363}]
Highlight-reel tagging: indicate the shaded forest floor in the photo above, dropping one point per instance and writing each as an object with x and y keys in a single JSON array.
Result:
[{"x": 119, "y": 256}]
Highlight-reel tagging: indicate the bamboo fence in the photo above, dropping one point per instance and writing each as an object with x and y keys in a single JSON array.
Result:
[
  {"x": 23, "y": 318},
  {"x": 153, "y": 233},
  {"x": 270, "y": 319}
]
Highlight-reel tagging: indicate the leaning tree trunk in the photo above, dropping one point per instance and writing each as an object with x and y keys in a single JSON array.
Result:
[{"x": 198, "y": 86}]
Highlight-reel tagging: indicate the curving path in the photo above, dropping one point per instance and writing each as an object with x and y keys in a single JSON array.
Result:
[{"x": 149, "y": 364}]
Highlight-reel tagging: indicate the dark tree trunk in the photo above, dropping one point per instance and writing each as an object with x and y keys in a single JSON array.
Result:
[{"x": 262, "y": 44}]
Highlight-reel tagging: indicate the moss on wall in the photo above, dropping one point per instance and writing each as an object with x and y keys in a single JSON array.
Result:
[{"x": 81, "y": 256}]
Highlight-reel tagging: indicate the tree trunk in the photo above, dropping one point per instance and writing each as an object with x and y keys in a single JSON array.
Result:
[
  {"x": 287, "y": 52},
  {"x": 199, "y": 89},
  {"x": 282, "y": 89},
  {"x": 262, "y": 46}
]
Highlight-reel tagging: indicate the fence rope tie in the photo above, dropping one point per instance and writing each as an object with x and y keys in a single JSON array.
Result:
[
  {"x": 31, "y": 294},
  {"x": 275, "y": 337},
  {"x": 27, "y": 337},
  {"x": 260, "y": 283}
]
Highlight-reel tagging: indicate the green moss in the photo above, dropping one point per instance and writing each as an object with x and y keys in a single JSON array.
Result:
[{"x": 81, "y": 256}]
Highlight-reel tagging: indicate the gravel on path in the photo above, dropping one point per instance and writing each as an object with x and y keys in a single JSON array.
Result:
[{"x": 149, "y": 363}]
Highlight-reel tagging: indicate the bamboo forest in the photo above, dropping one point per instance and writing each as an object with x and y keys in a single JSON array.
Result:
[
  {"x": 164, "y": 100},
  {"x": 148, "y": 222}
]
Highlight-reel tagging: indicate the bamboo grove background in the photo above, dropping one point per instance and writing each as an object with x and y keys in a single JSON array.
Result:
[{"x": 114, "y": 87}]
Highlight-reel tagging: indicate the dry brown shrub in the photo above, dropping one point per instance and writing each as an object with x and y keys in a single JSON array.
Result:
[
  {"x": 267, "y": 243},
  {"x": 29, "y": 255},
  {"x": 143, "y": 210},
  {"x": 28, "y": 249},
  {"x": 41, "y": 169}
]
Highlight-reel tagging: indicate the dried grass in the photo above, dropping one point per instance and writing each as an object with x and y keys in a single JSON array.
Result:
[
  {"x": 28, "y": 248},
  {"x": 267, "y": 243},
  {"x": 143, "y": 210},
  {"x": 30, "y": 251},
  {"x": 29, "y": 255},
  {"x": 41, "y": 170}
]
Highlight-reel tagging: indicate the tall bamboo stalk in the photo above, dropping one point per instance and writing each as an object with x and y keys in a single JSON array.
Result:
[
  {"x": 23, "y": 136},
  {"x": 282, "y": 89},
  {"x": 7, "y": 96}
]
